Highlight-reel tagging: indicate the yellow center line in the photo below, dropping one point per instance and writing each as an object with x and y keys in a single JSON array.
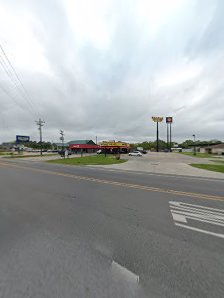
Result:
[{"x": 122, "y": 184}]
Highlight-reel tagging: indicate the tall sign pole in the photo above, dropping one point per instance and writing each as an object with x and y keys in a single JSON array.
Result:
[
  {"x": 157, "y": 120},
  {"x": 157, "y": 136},
  {"x": 169, "y": 121},
  {"x": 40, "y": 123},
  {"x": 168, "y": 137}
]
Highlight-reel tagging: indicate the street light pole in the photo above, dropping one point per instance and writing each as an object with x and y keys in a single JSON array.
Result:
[{"x": 194, "y": 145}]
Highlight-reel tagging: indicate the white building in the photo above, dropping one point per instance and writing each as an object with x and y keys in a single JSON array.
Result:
[{"x": 213, "y": 149}]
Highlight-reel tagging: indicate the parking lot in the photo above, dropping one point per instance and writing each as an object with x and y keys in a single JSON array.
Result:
[{"x": 166, "y": 163}]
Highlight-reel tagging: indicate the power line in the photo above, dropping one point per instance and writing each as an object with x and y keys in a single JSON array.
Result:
[
  {"x": 13, "y": 80},
  {"x": 7, "y": 71},
  {"x": 9, "y": 95},
  {"x": 14, "y": 77},
  {"x": 15, "y": 73}
]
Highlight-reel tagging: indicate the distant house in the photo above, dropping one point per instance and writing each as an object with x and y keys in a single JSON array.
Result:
[
  {"x": 213, "y": 149},
  {"x": 61, "y": 146},
  {"x": 8, "y": 145}
]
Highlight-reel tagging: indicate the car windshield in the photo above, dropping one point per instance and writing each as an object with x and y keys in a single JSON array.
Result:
[{"x": 111, "y": 148}]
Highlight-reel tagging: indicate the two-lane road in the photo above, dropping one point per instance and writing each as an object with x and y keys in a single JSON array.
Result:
[{"x": 87, "y": 232}]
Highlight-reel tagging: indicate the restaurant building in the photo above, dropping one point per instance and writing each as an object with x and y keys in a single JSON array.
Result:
[
  {"x": 87, "y": 146},
  {"x": 115, "y": 147}
]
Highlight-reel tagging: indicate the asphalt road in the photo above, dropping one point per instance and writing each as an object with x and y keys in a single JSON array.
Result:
[{"x": 87, "y": 232}]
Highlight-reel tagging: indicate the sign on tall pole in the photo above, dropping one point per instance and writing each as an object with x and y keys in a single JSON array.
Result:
[
  {"x": 169, "y": 121},
  {"x": 157, "y": 120}
]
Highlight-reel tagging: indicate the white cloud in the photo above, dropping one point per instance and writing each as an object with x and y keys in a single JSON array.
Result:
[
  {"x": 18, "y": 38},
  {"x": 88, "y": 20},
  {"x": 105, "y": 67}
]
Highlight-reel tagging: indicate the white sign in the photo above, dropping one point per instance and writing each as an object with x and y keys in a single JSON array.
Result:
[{"x": 182, "y": 212}]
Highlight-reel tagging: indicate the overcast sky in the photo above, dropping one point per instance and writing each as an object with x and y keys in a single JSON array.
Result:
[{"x": 105, "y": 67}]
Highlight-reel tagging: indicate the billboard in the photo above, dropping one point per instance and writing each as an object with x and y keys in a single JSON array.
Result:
[{"x": 22, "y": 139}]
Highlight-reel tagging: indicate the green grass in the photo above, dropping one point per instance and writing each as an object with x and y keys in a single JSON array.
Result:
[
  {"x": 217, "y": 161},
  {"x": 27, "y": 156},
  {"x": 88, "y": 160},
  {"x": 214, "y": 168},
  {"x": 4, "y": 153},
  {"x": 201, "y": 155}
]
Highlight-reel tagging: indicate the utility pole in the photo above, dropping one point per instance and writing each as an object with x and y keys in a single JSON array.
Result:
[
  {"x": 62, "y": 140},
  {"x": 40, "y": 123}
]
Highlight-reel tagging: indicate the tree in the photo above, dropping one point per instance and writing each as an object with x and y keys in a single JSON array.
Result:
[
  {"x": 186, "y": 144},
  {"x": 152, "y": 145}
]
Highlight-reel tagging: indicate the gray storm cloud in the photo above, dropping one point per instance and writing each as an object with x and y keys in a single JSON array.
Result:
[{"x": 112, "y": 89}]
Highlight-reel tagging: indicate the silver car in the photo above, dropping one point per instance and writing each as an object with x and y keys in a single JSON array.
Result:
[{"x": 135, "y": 153}]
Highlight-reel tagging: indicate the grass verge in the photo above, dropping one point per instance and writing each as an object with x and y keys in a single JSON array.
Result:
[
  {"x": 217, "y": 161},
  {"x": 88, "y": 160},
  {"x": 214, "y": 168},
  {"x": 27, "y": 156},
  {"x": 201, "y": 155}
]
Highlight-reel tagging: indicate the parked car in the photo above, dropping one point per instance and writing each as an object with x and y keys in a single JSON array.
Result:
[
  {"x": 62, "y": 152},
  {"x": 135, "y": 153},
  {"x": 99, "y": 151}
]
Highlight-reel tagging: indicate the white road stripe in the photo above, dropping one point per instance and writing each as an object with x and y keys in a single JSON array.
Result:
[
  {"x": 178, "y": 217},
  {"x": 127, "y": 274},
  {"x": 182, "y": 212},
  {"x": 200, "y": 230},
  {"x": 201, "y": 217},
  {"x": 180, "y": 204},
  {"x": 215, "y": 213},
  {"x": 202, "y": 220}
]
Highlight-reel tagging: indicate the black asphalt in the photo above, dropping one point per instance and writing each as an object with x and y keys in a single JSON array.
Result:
[{"x": 61, "y": 236}]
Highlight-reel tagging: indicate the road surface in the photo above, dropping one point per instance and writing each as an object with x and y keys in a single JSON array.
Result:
[{"x": 86, "y": 232}]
